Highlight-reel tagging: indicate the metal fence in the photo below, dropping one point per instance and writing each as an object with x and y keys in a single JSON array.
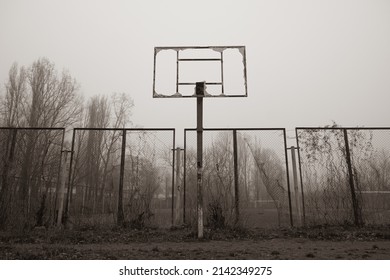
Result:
[
  {"x": 30, "y": 171},
  {"x": 136, "y": 177},
  {"x": 345, "y": 175},
  {"x": 245, "y": 178},
  {"x": 121, "y": 176}
]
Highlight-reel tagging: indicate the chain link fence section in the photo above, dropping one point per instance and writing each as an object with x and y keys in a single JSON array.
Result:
[
  {"x": 259, "y": 198},
  {"x": 30, "y": 176},
  {"x": 110, "y": 172},
  {"x": 345, "y": 175}
]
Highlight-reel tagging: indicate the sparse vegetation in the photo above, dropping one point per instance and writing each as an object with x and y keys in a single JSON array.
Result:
[{"x": 124, "y": 243}]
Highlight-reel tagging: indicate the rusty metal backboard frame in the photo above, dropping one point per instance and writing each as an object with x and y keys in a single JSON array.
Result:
[{"x": 219, "y": 49}]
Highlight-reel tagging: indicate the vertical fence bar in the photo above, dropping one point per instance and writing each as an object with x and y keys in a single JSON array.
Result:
[
  {"x": 300, "y": 177},
  {"x": 61, "y": 192},
  {"x": 178, "y": 186},
  {"x": 173, "y": 190},
  {"x": 355, "y": 203},
  {"x": 59, "y": 173},
  {"x": 295, "y": 178},
  {"x": 185, "y": 176},
  {"x": 173, "y": 179},
  {"x": 70, "y": 187},
  {"x": 120, "y": 215},
  {"x": 288, "y": 178},
  {"x": 236, "y": 190}
]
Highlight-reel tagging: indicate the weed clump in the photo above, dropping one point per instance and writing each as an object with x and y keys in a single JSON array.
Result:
[{"x": 215, "y": 217}]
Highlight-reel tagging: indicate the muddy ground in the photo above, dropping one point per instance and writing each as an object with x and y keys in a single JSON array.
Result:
[{"x": 95, "y": 243}]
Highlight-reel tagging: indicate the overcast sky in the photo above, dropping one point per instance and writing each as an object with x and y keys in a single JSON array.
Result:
[{"x": 309, "y": 62}]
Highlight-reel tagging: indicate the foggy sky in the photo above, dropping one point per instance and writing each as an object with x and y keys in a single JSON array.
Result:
[{"x": 308, "y": 62}]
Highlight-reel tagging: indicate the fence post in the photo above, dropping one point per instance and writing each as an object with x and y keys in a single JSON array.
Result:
[
  {"x": 355, "y": 203},
  {"x": 296, "y": 192},
  {"x": 64, "y": 160},
  {"x": 184, "y": 177},
  {"x": 177, "y": 187},
  {"x": 301, "y": 179},
  {"x": 288, "y": 178},
  {"x": 120, "y": 215},
  {"x": 70, "y": 183},
  {"x": 236, "y": 190}
]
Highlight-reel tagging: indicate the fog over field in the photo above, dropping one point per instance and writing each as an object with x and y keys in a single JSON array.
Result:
[{"x": 309, "y": 62}]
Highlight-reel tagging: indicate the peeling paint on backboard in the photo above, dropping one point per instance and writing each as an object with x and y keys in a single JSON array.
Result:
[{"x": 177, "y": 69}]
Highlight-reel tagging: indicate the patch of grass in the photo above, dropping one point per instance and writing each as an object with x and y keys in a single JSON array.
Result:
[{"x": 99, "y": 235}]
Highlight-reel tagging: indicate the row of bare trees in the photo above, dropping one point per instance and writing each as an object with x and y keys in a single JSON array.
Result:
[{"x": 38, "y": 96}]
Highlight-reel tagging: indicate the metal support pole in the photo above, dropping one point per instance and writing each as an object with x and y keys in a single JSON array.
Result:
[
  {"x": 178, "y": 187},
  {"x": 199, "y": 91},
  {"x": 120, "y": 216},
  {"x": 184, "y": 177},
  {"x": 300, "y": 177},
  {"x": 60, "y": 203},
  {"x": 70, "y": 183},
  {"x": 355, "y": 203},
  {"x": 296, "y": 192},
  {"x": 236, "y": 190},
  {"x": 288, "y": 178},
  {"x": 173, "y": 189},
  {"x": 173, "y": 181}
]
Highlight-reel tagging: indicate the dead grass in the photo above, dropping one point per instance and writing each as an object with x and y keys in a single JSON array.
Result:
[{"x": 181, "y": 243}]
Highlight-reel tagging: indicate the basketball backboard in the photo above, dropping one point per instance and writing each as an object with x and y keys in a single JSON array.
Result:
[{"x": 178, "y": 69}]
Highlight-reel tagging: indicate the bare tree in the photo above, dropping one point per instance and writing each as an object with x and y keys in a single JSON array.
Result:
[
  {"x": 9, "y": 116},
  {"x": 97, "y": 153},
  {"x": 15, "y": 93},
  {"x": 37, "y": 97}
]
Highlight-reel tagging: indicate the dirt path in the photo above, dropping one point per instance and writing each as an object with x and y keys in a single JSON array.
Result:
[
  {"x": 289, "y": 243},
  {"x": 292, "y": 248}
]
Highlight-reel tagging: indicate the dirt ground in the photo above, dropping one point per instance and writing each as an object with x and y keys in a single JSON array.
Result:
[{"x": 91, "y": 243}]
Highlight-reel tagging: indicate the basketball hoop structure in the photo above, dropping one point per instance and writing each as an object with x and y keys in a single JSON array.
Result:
[
  {"x": 222, "y": 68},
  {"x": 199, "y": 72}
]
